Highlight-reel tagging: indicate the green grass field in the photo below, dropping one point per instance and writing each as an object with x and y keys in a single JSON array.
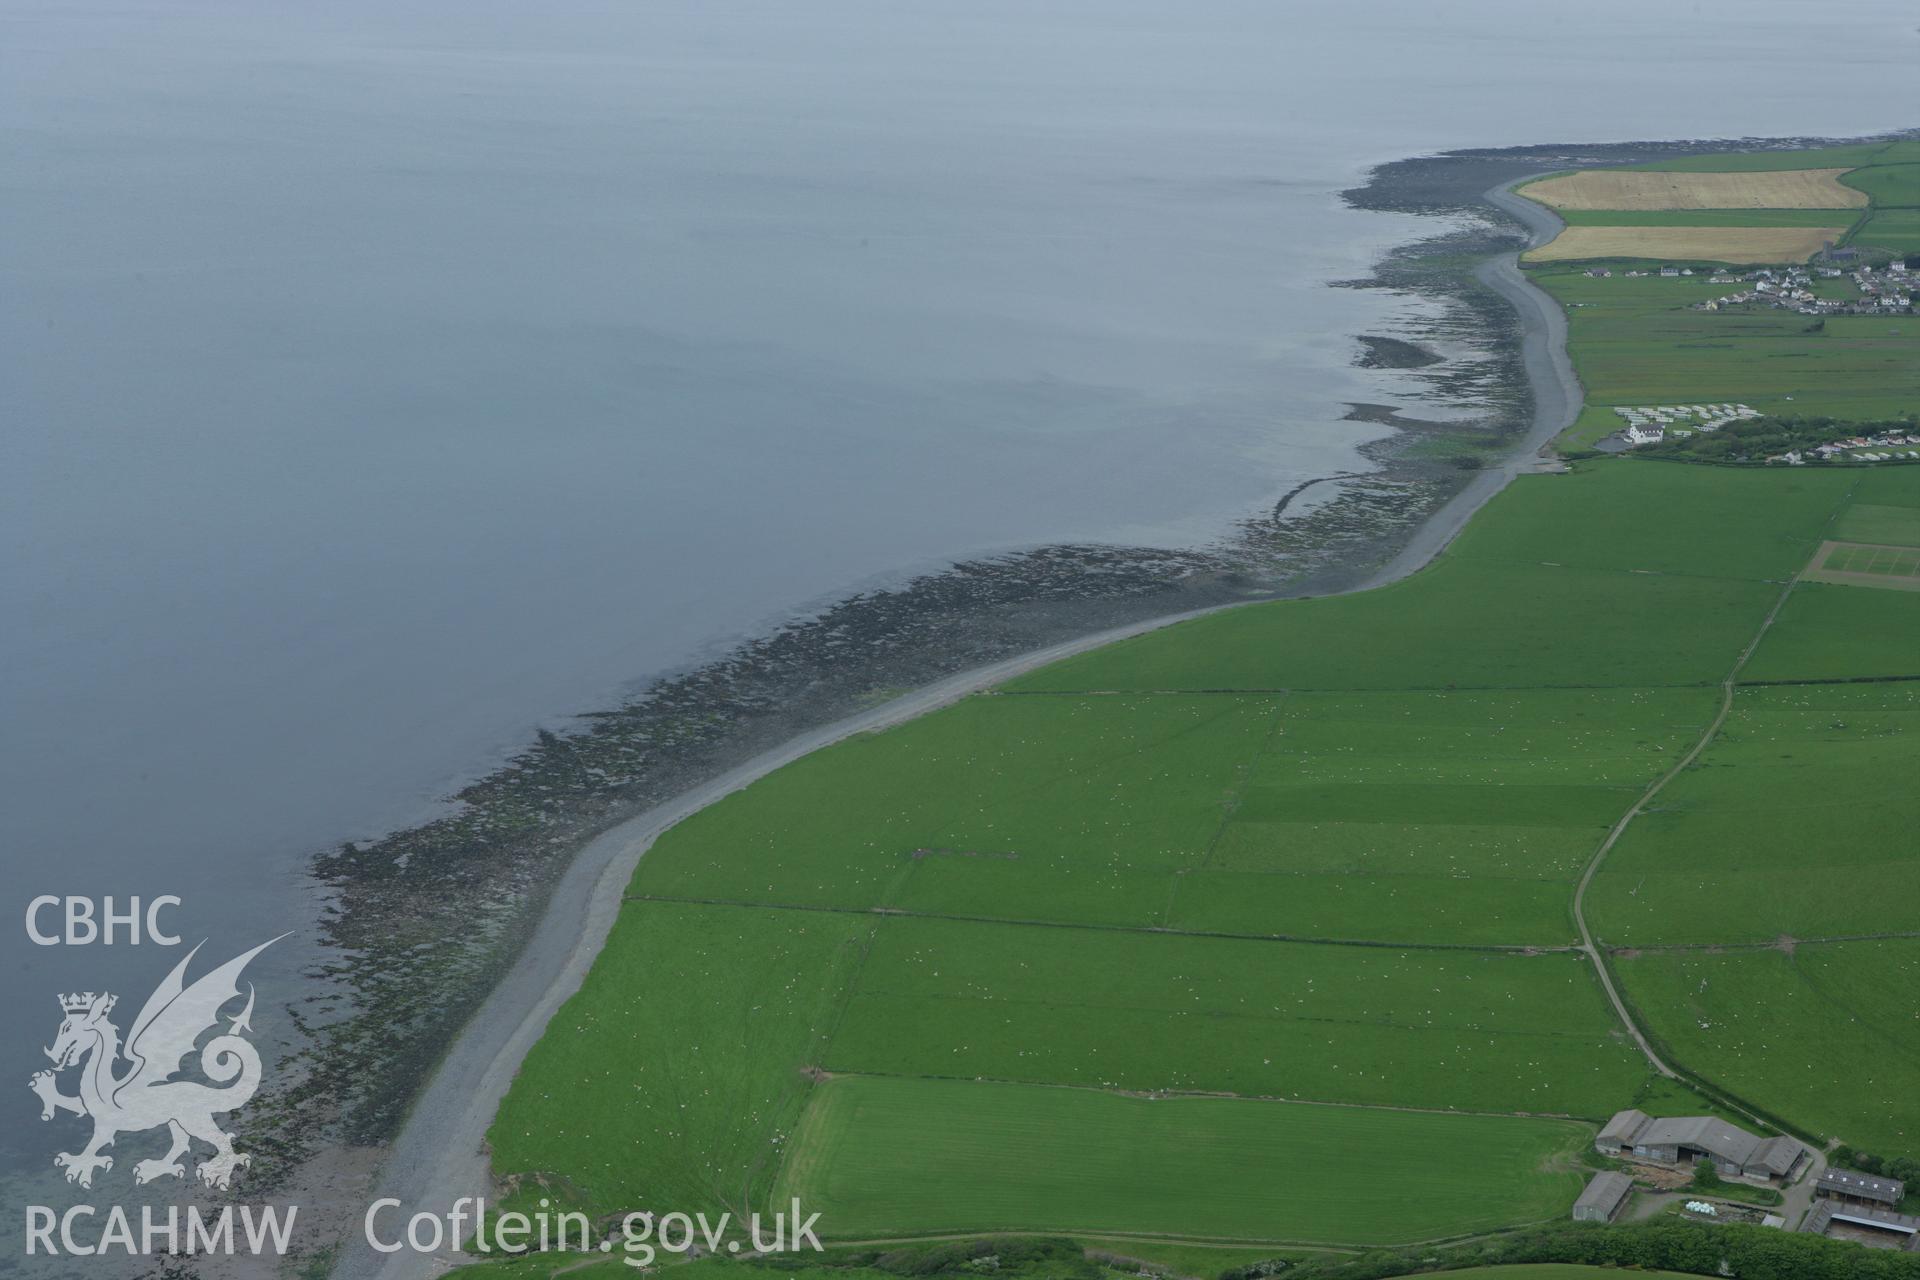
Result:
[
  {"x": 1595, "y": 422},
  {"x": 1889, "y": 186},
  {"x": 1137, "y": 891},
  {"x": 1154, "y": 1011},
  {"x": 1558, "y": 626},
  {"x": 1829, "y": 631},
  {"x": 1574, "y": 596},
  {"x": 1885, "y": 487},
  {"x": 1062, "y": 809},
  {"x": 1077, "y": 954},
  {"x": 666, "y": 1079},
  {"x": 1886, "y": 526},
  {"x": 1637, "y": 342},
  {"x": 880, "y": 1156},
  {"x": 1825, "y": 1034},
  {"x": 1804, "y": 796},
  {"x": 1895, "y": 229},
  {"x": 1437, "y": 817},
  {"x": 1906, "y": 151},
  {"x": 1741, "y": 525}
]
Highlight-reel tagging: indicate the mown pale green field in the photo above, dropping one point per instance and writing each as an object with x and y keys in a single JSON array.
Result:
[
  {"x": 1850, "y": 560},
  {"x": 882, "y": 1156}
]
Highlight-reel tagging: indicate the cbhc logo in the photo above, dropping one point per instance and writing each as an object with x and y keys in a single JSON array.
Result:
[{"x": 84, "y": 925}]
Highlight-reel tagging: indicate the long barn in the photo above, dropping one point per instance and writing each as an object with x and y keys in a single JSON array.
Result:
[{"x": 1635, "y": 1135}]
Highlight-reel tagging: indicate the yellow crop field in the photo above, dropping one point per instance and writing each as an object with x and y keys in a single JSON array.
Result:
[
  {"x": 1687, "y": 244},
  {"x": 1636, "y": 189}
]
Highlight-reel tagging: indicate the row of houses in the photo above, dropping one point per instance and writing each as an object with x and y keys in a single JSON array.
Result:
[
  {"x": 1888, "y": 446},
  {"x": 1883, "y": 291},
  {"x": 1603, "y": 273}
]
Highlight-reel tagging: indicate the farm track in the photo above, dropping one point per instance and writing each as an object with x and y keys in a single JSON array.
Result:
[
  {"x": 1799, "y": 1198},
  {"x": 1588, "y": 944},
  {"x": 1543, "y": 226}
]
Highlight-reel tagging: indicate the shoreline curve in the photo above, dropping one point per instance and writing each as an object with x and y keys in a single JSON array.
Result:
[{"x": 440, "y": 1153}]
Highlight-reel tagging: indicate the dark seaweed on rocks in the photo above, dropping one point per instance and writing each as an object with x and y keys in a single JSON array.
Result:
[
  {"x": 1394, "y": 353},
  {"x": 1469, "y": 317},
  {"x": 421, "y": 924}
]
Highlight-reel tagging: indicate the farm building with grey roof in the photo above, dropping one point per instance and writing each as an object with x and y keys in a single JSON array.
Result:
[
  {"x": 1845, "y": 1184},
  {"x": 1602, "y": 1199},
  {"x": 1635, "y": 1135},
  {"x": 1874, "y": 1227}
]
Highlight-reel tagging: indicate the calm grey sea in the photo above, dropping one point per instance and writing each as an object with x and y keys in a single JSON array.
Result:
[{"x": 382, "y": 380}]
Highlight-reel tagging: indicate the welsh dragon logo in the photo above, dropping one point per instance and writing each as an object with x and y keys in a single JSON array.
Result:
[{"x": 145, "y": 1095}]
